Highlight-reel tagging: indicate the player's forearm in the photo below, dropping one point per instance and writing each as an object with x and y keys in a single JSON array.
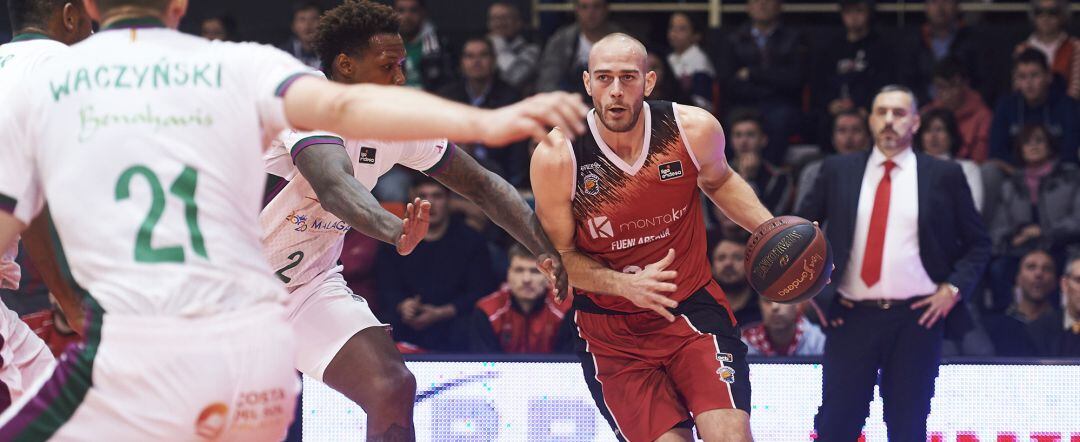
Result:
[
  {"x": 587, "y": 274},
  {"x": 355, "y": 205},
  {"x": 372, "y": 111},
  {"x": 739, "y": 202}
]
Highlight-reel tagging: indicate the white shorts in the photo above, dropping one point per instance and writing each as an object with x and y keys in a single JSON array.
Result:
[
  {"x": 226, "y": 377},
  {"x": 325, "y": 314},
  {"x": 24, "y": 357}
]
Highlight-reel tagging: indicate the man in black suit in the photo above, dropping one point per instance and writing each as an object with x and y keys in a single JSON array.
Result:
[{"x": 908, "y": 246}]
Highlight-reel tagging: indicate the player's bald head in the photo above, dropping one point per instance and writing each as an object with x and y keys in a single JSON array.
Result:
[{"x": 618, "y": 47}]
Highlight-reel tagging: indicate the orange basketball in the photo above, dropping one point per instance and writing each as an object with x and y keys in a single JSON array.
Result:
[{"x": 788, "y": 259}]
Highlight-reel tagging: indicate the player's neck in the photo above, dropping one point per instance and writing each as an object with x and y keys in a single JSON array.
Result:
[
  {"x": 115, "y": 16},
  {"x": 33, "y": 32},
  {"x": 627, "y": 145}
]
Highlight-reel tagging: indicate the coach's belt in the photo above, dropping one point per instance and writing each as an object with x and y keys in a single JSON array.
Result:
[{"x": 883, "y": 304}]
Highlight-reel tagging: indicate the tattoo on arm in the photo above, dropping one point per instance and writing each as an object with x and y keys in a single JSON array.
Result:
[{"x": 330, "y": 171}]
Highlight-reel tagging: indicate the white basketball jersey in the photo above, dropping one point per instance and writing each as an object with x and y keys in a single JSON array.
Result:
[
  {"x": 147, "y": 144},
  {"x": 301, "y": 238}
]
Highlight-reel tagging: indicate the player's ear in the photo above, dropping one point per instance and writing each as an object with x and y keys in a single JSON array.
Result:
[
  {"x": 585, "y": 77},
  {"x": 69, "y": 15},
  {"x": 344, "y": 65},
  {"x": 174, "y": 12},
  {"x": 650, "y": 82}
]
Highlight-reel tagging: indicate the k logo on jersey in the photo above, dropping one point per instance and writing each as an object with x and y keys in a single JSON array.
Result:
[
  {"x": 670, "y": 171},
  {"x": 367, "y": 155},
  {"x": 600, "y": 227}
]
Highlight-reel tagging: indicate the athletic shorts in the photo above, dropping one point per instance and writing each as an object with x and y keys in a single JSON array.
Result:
[
  {"x": 648, "y": 375},
  {"x": 325, "y": 314},
  {"x": 224, "y": 377},
  {"x": 24, "y": 357}
]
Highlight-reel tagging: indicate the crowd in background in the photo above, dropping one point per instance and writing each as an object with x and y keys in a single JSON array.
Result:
[{"x": 785, "y": 104}]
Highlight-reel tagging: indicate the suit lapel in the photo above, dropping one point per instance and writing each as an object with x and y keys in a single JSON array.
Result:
[
  {"x": 854, "y": 182},
  {"x": 922, "y": 163}
]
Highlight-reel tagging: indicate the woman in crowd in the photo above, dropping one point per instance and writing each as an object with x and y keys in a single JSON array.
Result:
[{"x": 939, "y": 136}]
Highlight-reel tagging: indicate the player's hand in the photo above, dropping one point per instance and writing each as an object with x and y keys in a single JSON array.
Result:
[
  {"x": 937, "y": 306},
  {"x": 647, "y": 287},
  {"x": 414, "y": 226},
  {"x": 534, "y": 117},
  {"x": 551, "y": 266}
]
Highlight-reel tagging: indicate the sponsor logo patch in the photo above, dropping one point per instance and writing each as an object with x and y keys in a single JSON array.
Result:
[
  {"x": 600, "y": 227},
  {"x": 211, "y": 421},
  {"x": 591, "y": 184},
  {"x": 727, "y": 374},
  {"x": 724, "y": 357},
  {"x": 367, "y": 155},
  {"x": 670, "y": 171}
]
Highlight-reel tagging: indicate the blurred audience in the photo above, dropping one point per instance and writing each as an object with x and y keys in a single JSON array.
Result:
[
  {"x": 689, "y": 65},
  {"x": 762, "y": 65},
  {"x": 1067, "y": 341},
  {"x": 429, "y": 294},
  {"x": 747, "y": 141},
  {"x": 943, "y": 35},
  {"x": 428, "y": 65},
  {"x": 522, "y": 316},
  {"x": 305, "y": 23},
  {"x": 480, "y": 86},
  {"x": 939, "y": 136},
  {"x": 973, "y": 117},
  {"x": 222, "y": 27},
  {"x": 783, "y": 331},
  {"x": 1036, "y": 100},
  {"x": 515, "y": 56},
  {"x": 1027, "y": 326},
  {"x": 854, "y": 64},
  {"x": 1050, "y": 19},
  {"x": 566, "y": 54},
  {"x": 850, "y": 133},
  {"x": 727, "y": 259},
  {"x": 667, "y": 86}
]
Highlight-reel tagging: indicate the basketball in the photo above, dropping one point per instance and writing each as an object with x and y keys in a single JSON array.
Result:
[{"x": 788, "y": 260}]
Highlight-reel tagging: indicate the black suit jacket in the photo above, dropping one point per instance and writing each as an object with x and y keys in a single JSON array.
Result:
[{"x": 953, "y": 243}]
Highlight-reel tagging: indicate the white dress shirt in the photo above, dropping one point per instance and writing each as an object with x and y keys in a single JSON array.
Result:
[{"x": 902, "y": 272}]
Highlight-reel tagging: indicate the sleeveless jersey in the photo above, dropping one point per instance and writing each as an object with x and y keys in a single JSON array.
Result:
[
  {"x": 147, "y": 143},
  {"x": 301, "y": 239},
  {"x": 629, "y": 215}
]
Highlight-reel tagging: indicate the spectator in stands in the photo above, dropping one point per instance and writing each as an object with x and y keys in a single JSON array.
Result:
[
  {"x": 222, "y": 27},
  {"x": 481, "y": 86},
  {"x": 854, "y": 65},
  {"x": 667, "y": 86},
  {"x": 849, "y": 134},
  {"x": 1067, "y": 343},
  {"x": 427, "y": 64},
  {"x": 305, "y": 23},
  {"x": 1040, "y": 205},
  {"x": 783, "y": 331},
  {"x": 522, "y": 316},
  {"x": 52, "y": 327},
  {"x": 727, "y": 268},
  {"x": 425, "y": 293},
  {"x": 515, "y": 56},
  {"x": 1025, "y": 329},
  {"x": 1035, "y": 101},
  {"x": 689, "y": 65},
  {"x": 973, "y": 117},
  {"x": 747, "y": 140},
  {"x": 762, "y": 65},
  {"x": 567, "y": 53},
  {"x": 944, "y": 35},
  {"x": 939, "y": 136},
  {"x": 1051, "y": 37}
]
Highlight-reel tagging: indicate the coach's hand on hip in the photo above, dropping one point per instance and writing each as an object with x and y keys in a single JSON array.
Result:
[{"x": 937, "y": 305}]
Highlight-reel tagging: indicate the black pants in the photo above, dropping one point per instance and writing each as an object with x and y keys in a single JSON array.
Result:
[{"x": 872, "y": 339}]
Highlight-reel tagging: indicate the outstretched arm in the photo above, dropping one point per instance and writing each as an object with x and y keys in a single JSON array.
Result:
[
  {"x": 396, "y": 113},
  {"x": 329, "y": 170},
  {"x": 723, "y": 186},
  {"x": 502, "y": 203},
  {"x": 552, "y": 182}
]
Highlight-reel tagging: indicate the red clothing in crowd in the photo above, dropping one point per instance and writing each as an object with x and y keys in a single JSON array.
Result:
[
  {"x": 500, "y": 326},
  {"x": 44, "y": 327},
  {"x": 974, "y": 119}
]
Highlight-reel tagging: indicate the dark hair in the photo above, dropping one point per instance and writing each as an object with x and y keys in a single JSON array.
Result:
[
  {"x": 899, "y": 88},
  {"x": 1031, "y": 56},
  {"x": 851, "y": 113},
  {"x": 950, "y": 67},
  {"x": 105, "y": 5},
  {"x": 227, "y": 22},
  {"x": 1025, "y": 135},
  {"x": 422, "y": 3},
  {"x": 697, "y": 24},
  {"x": 517, "y": 250},
  {"x": 482, "y": 39},
  {"x": 349, "y": 27},
  {"x": 24, "y": 13},
  {"x": 949, "y": 120},
  {"x": 745, "y": 115},
  {"x": 306, "y": 5}
]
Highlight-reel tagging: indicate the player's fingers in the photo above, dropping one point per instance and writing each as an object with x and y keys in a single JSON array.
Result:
[
  {"x": 663, "y": 312},
  {"x": 663, "y": 287},
  {"x": 665, "y": 301},
  {"x": 570, "y": 113},
  {"x": 925, "y": 317},
  {"x": 920, "y": 304},
  {"x": 666, "y": 275},
  {"x": 663, "y": 263}
]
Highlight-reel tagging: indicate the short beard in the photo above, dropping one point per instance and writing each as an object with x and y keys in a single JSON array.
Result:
[
  {"x": 629, "y": 126},
  {"x": 734, "y": 287}
]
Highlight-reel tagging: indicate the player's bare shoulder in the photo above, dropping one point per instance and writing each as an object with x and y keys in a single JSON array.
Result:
[
  {"x": 552, "y": 166},
  {"x": 702, "y": 129}
]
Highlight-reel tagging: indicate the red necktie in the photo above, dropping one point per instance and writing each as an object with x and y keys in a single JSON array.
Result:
[{"x": 879, "y": 219}]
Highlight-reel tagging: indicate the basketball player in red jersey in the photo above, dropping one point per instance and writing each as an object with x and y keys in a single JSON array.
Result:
[{"x": 659, "y": 347}]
